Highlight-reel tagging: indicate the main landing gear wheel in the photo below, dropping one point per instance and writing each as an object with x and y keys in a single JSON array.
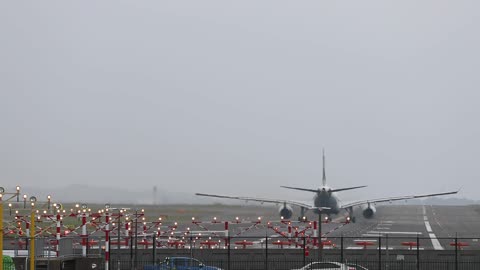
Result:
[{"x": 302, "y": 219}]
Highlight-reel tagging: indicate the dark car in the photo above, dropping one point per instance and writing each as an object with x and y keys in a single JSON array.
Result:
[{"x": 180, "y": 263}]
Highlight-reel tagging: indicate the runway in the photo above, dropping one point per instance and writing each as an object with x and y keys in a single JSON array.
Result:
[{"x": 435, "y": 227}]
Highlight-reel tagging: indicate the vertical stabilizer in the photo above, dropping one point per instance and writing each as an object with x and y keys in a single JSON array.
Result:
[{"x": 324, "y": 178}]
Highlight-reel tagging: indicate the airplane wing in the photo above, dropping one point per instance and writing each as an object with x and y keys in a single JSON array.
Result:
[
  {"x": 399, "y": 198},
  {"x": 264, "y": 200}
]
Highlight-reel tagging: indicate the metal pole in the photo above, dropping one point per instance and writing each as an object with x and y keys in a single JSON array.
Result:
[
  {"x": 118, "y": 231},
  {"x": 1, "y": 231},
  {"x": 387, "y": 253},
  {"x": 84, "y": 234},
  {"x": 342, "y": 258},
  {"x": 191, "y": 246},
  {"x": 228, "y": 258},
  {"x": 304, "y": 250},
  {"x": 266, "y": 252},
  {"x": 154, "y": 242},
  {"x": 418, "y": 252},
  {"x": 32, "y": 240},
  {"x": 107, "y": 240},
  {"x": 456, "y": 252},
  {"x": 379, "y": 253},
  {"x": 59, "y": 226},
  {"x": 136, "y": 242},
  {"x": 131, "y": 247},
  {"x": 320, "y": 245}
]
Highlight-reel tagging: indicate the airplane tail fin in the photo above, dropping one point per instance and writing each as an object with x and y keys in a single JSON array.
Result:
[
  {"x": 324, "y": 182},
  {"x": 324, "y": 177}
]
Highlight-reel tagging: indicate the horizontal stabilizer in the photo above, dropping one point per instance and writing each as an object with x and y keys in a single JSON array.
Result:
[
  {"x": 348, "y": 188},
  {"x": 317, "y": 190},
  {"x": 302, "y": 189}
]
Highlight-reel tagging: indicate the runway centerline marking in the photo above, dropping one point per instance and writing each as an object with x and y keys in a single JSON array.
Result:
[
  {"x": 429, "y": 228},
  {"x": 436, "y": 244}
]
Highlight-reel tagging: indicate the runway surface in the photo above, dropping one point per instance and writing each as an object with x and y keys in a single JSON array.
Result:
[{"x": 435, "y": 226}]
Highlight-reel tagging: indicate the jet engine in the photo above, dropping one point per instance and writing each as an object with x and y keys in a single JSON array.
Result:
[
  {"x": 369, "y": 211},
  {"x": 286, "y": 211}
]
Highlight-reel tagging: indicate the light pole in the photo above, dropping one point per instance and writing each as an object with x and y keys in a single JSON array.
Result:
[
  {"x": 136, "y": 241},
  {"x": 1, "y": 228},
  {"x": 32, "y": 235}
]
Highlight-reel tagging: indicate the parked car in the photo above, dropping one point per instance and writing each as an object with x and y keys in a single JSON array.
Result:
[
  {"x": 356, "y": 266},
  {"x": 330, "y": 266},
  {"x": 180, "y": 263}
]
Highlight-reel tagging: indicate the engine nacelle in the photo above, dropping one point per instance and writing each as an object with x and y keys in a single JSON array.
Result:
[
  {"x": 285, "y": 211},
  {"x": 369, "y": 211}
]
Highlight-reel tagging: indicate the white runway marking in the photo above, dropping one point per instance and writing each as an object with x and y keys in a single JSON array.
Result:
[
  {"x": 365, "y": 240},
  {"x": 436, "y": 244},
  {"x": 370, "y": 235},
  {"x": 354, "y": 247},
  {"x": 389, "y": 232},
  {"x": 429, "y": 228}
]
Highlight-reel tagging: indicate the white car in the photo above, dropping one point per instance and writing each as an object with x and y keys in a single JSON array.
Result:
[{"x": 327, "y": 266}]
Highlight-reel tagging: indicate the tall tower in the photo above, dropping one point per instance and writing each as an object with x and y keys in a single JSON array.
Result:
[{"x": 155, "y": 201}]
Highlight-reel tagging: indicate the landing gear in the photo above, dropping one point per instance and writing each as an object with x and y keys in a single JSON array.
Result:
[
  {"x": 303, "y": 219},
  {"x": 350, "y": 219},
  {"x": 327, "y": 219}
]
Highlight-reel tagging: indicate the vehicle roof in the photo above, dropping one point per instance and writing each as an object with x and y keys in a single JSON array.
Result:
[{"x": 339, "y": 263}]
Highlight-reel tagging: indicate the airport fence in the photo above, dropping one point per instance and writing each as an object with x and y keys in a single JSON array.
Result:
[{"x": 281, "y": 252}]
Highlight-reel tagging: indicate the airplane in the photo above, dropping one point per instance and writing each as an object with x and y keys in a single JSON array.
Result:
[{"x": 326, "y": 201}]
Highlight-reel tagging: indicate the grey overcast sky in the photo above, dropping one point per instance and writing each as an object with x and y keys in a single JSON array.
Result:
[{"x": 240, "y": 97}]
